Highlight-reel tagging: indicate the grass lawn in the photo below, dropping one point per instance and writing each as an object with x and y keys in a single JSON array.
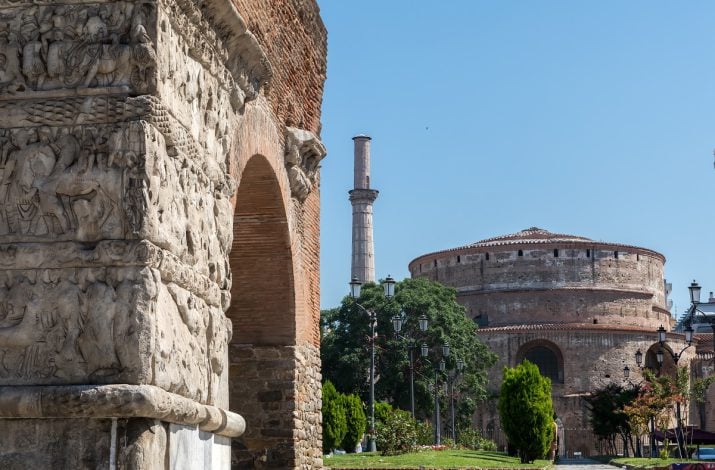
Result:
[
  {"x": 646, "y": 462},
  {"x": 431, "y": 458}
]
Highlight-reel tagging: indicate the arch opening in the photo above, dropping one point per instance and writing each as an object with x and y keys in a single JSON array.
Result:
[
  {"x": 262, "y": 292},
  {"x": 546, "y": 356}
]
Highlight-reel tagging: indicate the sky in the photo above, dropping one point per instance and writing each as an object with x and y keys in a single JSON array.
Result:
[{"x": 488, "y": 117}]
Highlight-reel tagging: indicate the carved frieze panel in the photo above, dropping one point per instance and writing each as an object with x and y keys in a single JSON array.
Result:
[
  {"x": 45, "y": 47},
  {"x": 184, "y": 211},
  {"x": 68, "y": 183},
  {"x": 109, "y": 325},
  {"x": 199, "y": 97},
  {"x": 70, "y": 326},
  {"x": 116, "y": 253}
]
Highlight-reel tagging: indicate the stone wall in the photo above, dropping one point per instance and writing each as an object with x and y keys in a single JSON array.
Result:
[
  {"x": 122, "y": 142},
  {"x": 593, "y": 357},
  {"x": 585, "y": 282}
]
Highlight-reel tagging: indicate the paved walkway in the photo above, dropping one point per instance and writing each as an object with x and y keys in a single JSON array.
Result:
[{"x": 582, "y": 464}]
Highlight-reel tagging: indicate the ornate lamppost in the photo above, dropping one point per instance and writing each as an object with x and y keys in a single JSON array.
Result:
[
  {"x": 451, "y": 379},
  {"x": 660, "y": 356},
  {"x": 694, "y": 289},
  {"x": 397, "y": 323},
  {"x": 438, "y": 371},
  {"x": 389, "y": 290},
  {"x": 626, "y": 373}
]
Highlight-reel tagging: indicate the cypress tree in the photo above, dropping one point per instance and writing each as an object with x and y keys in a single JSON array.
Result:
[
  {"x": 334, "y": 425},
  {"x": 526, "y": 411}
]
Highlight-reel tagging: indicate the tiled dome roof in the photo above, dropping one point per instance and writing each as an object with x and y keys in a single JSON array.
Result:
[{"x": 530, "y": 235}]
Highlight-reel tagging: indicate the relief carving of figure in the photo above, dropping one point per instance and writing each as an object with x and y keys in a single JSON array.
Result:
[
  {"x": 303, "y": 153},
  {"x": 11, "y": 78},
  {"x": 66, "y": 46}
]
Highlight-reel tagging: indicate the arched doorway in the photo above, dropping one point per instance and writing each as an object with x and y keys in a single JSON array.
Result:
[
  {"x": 546, "y": 356},
  {"x": 262, "y": 311}
]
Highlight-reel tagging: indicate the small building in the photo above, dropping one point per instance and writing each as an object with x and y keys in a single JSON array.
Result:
[{"x": 577, "y": 308}]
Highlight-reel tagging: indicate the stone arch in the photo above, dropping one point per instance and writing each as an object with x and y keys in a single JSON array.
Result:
[
  {"x": 274, "y": 373},
  {"x": 651, "y": 361},
  {"x": 262, "y": 292},
  {"x": 546, "y": 355}
]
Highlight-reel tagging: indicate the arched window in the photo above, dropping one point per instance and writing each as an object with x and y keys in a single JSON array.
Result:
[
  {"x": 556, "y": 252},
  {"x": 486, "y": 256},
  {"x": 520, "y": 253},
  {"x": 546, "y": 356}
]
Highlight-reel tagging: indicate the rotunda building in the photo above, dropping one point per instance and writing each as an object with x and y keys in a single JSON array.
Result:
[{"x": 577, "y": 308}]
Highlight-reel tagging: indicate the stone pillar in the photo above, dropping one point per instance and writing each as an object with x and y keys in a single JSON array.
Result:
[
  {"x": 362, "y": 198},
  {"x": 116, "y": 123}
]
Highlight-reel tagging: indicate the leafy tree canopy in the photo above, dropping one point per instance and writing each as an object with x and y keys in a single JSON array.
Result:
[
  {"x": 608, "y": 408},
  {"x": 345, "y": 346}
]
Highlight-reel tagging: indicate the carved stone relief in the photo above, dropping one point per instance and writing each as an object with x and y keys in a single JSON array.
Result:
[
  {"x": 184, "y": 212},
  {"x": 63, "y": 326},
  {"x": 304, "y": 151},
  {"x": 199, "y": 98},
  {"x": 66, "y": 183},
  {"x": 51, "y": 47}
]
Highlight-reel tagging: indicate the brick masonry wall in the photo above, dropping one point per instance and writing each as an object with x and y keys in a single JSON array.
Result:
[
  {"x": 591, "y": 360},
  {"x": 540, "y": 287},
  {"x": 280, "y": 394},
  {"x": 297, "y": 51}
]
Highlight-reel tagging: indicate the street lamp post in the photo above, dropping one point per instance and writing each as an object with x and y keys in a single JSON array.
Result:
[
  {"x": 653, "y": 448},
  {"x": 389, "y": 290},
  {"x": 694, "y": 289},
  {"x": 452, "y": 378},
  {"x": 438, "y": 371},
  {"x": 397, "y": 323},
  {"x": 676, "y": 357}
]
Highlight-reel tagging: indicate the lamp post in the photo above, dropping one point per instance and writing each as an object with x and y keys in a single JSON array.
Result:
[
  {"x": 660, "y": 356},
  {"x": 694, "y": 289},
  {"x": 626, "y": 374},
  {"x": 438, "y": 371},
  {"x": 389, "y": 291},
  {"x": 452, "y": 378},
  {"x": 397, "y": 323}
]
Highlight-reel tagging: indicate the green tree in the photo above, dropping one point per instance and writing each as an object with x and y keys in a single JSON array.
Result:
[
  {"x": 526, "y": 411},
  {"x": 345, "y": 346},
  {"x": 355, "y": 420},
  {"x": 608, "y": 417},
  {"x": 699, "y": 393},
  {"x": 334, "y": 424}
]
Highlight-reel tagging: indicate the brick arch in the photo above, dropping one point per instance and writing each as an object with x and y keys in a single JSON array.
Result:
[
  {"x": 262, "y": 292},
  {"x": 543, "y": 345}
]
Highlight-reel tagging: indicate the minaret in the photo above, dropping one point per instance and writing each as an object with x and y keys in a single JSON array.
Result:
[{"x": 362, "y": 197}]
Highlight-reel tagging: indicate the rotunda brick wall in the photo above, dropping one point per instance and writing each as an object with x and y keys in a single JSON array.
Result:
[
  {"x": 537, "y": 276},
  {"x": 578, "y": 308}
]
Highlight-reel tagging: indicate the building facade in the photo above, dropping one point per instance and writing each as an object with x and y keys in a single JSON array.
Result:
[{"x": 577, "y": 308}]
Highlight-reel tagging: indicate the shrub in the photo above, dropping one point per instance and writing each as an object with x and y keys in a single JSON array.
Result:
[
  {"x": 397, "y": 433},
  {"x": 382, "y": 411},
  {"x": 334, "y": 425},
  {"x": 472, "y": 439},
  {"x": 526, "y": 411},
  {"x": 355, "y": 422},
  {"x": 425, "y": 433}
]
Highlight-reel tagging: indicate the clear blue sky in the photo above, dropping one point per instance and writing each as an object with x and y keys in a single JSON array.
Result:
[{"x": 488, "y": 117}]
